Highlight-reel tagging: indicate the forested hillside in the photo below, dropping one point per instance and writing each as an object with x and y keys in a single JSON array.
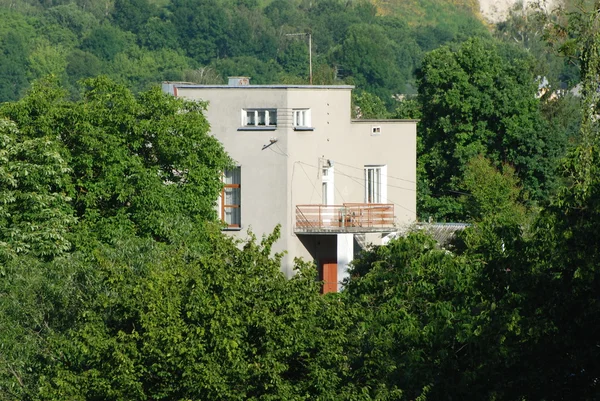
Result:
[
  {"x": 116, "y": 282},
  {"x": 142, "y": 42}
]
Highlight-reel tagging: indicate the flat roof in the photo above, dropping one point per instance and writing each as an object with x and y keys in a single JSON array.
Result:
[
  {"x": 198, "y": 86},
  {"x": 385, "y": 120}
]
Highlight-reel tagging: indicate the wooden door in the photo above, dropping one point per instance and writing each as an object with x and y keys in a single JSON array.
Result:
[{"x": 329, "y": 275}]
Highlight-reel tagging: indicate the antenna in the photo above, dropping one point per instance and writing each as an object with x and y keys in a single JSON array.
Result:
[{"x": 310, "y": 80}]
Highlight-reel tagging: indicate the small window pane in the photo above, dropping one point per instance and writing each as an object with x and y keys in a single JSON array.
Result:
[
  {"x": 301, "y": 118},
  {"x": 261, "y": 117},
  {"x": 233, "y": 216},
  {"x": 233, "y": 176},
  {"x": 250, "y": 117},
  {"x": 272, "y": 117},
  {"x": 232, "y": 196}
]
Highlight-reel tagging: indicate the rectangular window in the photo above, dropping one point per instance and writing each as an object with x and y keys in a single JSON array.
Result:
[
  {"x": 231, "y": 198},
  {"x": 259, "y": 118},
  {"x": 327, "y": 185},
  {"x": 301, "y": 118},
  {"x": 375, "y": 184}
]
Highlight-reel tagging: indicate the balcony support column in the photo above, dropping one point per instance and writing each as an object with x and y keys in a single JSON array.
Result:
[{"x": 345, "y": 255}]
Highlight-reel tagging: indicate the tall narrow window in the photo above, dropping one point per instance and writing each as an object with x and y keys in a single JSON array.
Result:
[
  {"x": 327, "y": 186},
  {"x": 231, "y": 198},
  {"x": 375, "y": 184}
]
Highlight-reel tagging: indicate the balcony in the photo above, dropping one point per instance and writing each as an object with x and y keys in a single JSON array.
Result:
[{"x": 345, "y": 218}]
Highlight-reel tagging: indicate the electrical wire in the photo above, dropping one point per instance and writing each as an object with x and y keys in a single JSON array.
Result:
[
  {"x": 355, "y": 179},
  {"x": 362, "y": 168}
]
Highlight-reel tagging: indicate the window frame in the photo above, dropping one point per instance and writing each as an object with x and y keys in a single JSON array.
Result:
[
  {"x": 327, "y": 185},
  {"x": 376, "y": 193},
  {"x": 253, "y": 124},
  {"x": 237, "y": 224},
  {"x": 306, "y": 124}
]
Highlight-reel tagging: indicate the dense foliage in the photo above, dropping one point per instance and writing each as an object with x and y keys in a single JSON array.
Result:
[
  {"x": 143, "y": 42},
  {"x": 145, "y": 162},
  {"x": 481, "y": 98},
  {"x": 116, "y": 283}
]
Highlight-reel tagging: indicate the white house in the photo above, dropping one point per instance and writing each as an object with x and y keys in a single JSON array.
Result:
[{"x": 331, "y": 182}]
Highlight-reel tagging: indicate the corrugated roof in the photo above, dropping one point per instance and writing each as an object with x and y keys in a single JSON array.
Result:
[{"x": 443, "y": 233}]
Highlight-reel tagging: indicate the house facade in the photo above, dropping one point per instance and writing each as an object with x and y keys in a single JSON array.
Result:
[{"x": 333, "y": 183}]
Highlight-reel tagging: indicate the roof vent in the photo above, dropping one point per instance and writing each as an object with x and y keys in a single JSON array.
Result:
[{"x": 239, "y": 81}]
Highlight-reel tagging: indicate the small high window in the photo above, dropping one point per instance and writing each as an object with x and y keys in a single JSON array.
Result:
[
  {"x": 259, "y": 117},
  {"x": 301, "y": 118}
]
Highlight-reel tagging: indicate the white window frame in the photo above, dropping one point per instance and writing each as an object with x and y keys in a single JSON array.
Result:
[
  {"x": 327, "y": 186},
  {"x": 375, "y": 184},
  {"x": 236, "y": 223},
  {"x": 301, "y": 118},
  {"x": 270, "y": 117}
]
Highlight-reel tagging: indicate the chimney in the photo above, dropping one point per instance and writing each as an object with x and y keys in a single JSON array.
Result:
[{"x": 239, "y": 81}]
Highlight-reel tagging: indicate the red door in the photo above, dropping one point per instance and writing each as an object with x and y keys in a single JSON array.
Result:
[{"x": 329, "y": 275}]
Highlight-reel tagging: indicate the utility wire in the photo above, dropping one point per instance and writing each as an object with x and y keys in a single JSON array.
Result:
[
  {"x": 355, "y": 179},
  {"x": 362, "y": 168}
]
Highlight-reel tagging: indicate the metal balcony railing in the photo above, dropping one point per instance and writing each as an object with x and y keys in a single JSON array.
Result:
[{"x": 348, "y": 217}]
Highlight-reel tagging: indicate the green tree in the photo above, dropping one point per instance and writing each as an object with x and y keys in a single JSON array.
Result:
[
  {"x": 46, "y": 59},
  {"x": 475, "y": 102},
  {"x": 35, "y": 210},
  {"x": 369, "y": 57},
  {"x": 13, "y": 66},
  {"x": 142, "y": 320},
  {"x": 146, "y": 162},
  {"x": 157, "y": 34},
  {"x": 259, "y": 71},
  {"x": 202, "y": 28},
  {"x": 367, "y": 105},
  {"x": 106, "y": 42},
  {"x": 415, "y": 334},
  {"x": 131, "y": 15},
  {"x": 72, "y": 17}
]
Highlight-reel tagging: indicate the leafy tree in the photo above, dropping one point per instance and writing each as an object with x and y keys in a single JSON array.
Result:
[
  {"x": 131, "y": 15},
  {"x": 82, "y": 64},
  {"x": 142, "y": 320},
  {"x": 260, "y": 72},
  {"x": 141, "y": 68},
  {"x": 13, "y": 66},
  {"x": 409, "y": 108},
  {"x": 294, "y": 59},
  {"x": 284, "y": 12},
  {"x": 157, "y": 34},
  {"x": 144, "y": 162},
  {"x": 369, "y": 56},
  {"x": 474, "y": 102},
  {"x": 106, "y": 42},
  {"x": 35, "y": 210},
  {"x": 368, "y": 106},
  {"x": 46, "y": 59},
  {"x": 72, "y": 17},
  {"x": 415, "y": 334},
  {"x": 202, "y": 28}
]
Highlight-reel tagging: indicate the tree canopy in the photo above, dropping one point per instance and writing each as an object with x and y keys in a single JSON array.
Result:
[{"x": 480, "y": 99}]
